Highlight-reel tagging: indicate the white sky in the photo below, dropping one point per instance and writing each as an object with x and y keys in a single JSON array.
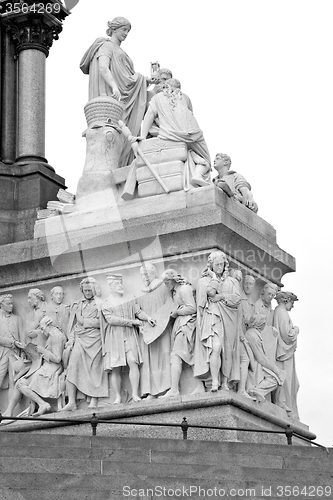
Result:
[{"x": 259, "y": 74}]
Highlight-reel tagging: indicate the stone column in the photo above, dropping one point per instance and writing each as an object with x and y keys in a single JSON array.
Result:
[
  {"x": 33, "y": 34},
  {"x": 8, "y": 99},
  {"x": 27, "y": 181},
  {"x": 31, "y": 106}
]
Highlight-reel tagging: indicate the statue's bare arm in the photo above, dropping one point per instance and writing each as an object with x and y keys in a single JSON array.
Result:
[
  {"x": 107, "y": 76},
  {"x": 147, "y": 122}
]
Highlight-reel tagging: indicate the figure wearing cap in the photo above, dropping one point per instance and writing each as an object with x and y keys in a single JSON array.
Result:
[
  {"x": 286, "y": 347},
  {"x": 122, "y": 315}
]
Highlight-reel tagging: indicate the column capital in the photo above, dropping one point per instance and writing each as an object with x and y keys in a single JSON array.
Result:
[{"x": 33, "y": 24}]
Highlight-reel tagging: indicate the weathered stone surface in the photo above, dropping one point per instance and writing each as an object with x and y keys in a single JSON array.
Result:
[{"x": 165, "y": 225}]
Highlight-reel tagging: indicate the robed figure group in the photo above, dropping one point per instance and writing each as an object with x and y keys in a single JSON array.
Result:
[{"x": 127, "y": 349}]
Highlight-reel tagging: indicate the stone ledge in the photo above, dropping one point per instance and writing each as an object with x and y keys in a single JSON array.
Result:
[
  {"x": 228, "y": 407},
  {"x": 180, "y": 222}
]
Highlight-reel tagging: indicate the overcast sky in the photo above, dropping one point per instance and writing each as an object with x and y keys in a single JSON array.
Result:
[{"x": 259, "y": 74}]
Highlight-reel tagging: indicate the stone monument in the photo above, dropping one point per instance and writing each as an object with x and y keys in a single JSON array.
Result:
[{"x": 146, "y": 201}]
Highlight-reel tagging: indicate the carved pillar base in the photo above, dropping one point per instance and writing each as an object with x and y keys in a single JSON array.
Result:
[{"x": 23, "y": 189}]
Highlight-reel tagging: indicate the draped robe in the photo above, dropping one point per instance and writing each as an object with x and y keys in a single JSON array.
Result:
[
  {"x": 132, "y": 85},
  {"x": 223, "y": 320}
]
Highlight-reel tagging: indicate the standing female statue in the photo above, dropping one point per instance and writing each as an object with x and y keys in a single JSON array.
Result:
[{"x": 111, "y": 73}]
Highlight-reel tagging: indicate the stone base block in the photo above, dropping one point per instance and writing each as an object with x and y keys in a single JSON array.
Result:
[
  {"x": 23, "y": 189},
  {"x": 171, "y": 173},
  {"x": 158, "y": 150},
  {"x": 96, "y": 190}
]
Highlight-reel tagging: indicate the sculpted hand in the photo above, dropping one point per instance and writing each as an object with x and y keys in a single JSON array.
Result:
[
  {"x": 116, "y": 92},
  {"x": 18, "y": 344},
  {"x": 69, "y": 343},
  {"x": 32, "y": 334},
  {"x": 136, "y": 322},
  {"x": 242, "y": 338},
  {"x": 152, "y": 321},
  {"x": 151, "y": 81},
  {"x": 40, "y": 349},
  {"x": 133, "y": 139},
  {"x": 295, "y": 331},
  {"x": 218, "y": 298},
  {"x": 174, "y": 314}
]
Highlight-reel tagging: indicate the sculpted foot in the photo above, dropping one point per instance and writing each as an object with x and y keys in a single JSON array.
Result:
[
  {"x": 245, "y": 395},
  {"x": 136, "y": 399},
  {"x": 171, "y": 393},
  {"x": 93, "y": 403},
  {"x": 7, "y": 413},
  {"x": 215, "y": 387},
  {"x": 69, "y": 407},
  {"x": 150, "y": 396},
  {"x": 259, "y": 397},
  {"x": 42, "y": 409},
  {"x": 225, "y": 387},
  {"x": 198, "y": 180},
  {"x": 117, "y": 401},
  {"x": 199, "y": 390}
]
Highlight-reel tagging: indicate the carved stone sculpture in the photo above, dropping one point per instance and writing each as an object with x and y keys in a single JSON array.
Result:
[
  {"x": 111, "y": 73},
  {"x": 265, "y": 375},
  {"x": 43, "y": 377},
  {"x": 57, "y": 310},
  {"x": 121, "y": 348},
  {"x": 247, "y": 309},
  {"x": 155, "y": 375},
  {"x": 85, "y": 367},
  {"x": 219, "y": 323},
  {"x": 233, "y": 183},
  {"x": 96, "y": 185},
  {"x": 183, "y": 330},
  {"x": 172, "y": 110},
  {"x": 36, "y": 300},
  {"x": 11, "y": 335},
  {"x": 286, "y": 347},
  {"x": 163, "y": 75},
  {"x": 264, "y": 304}
]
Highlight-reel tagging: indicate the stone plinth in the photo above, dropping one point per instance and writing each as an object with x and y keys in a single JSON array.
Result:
[
  {"x": 23, "y": 189},
  {"x": 176, "y": 230},
  {"x": 225, "y": 409}
]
